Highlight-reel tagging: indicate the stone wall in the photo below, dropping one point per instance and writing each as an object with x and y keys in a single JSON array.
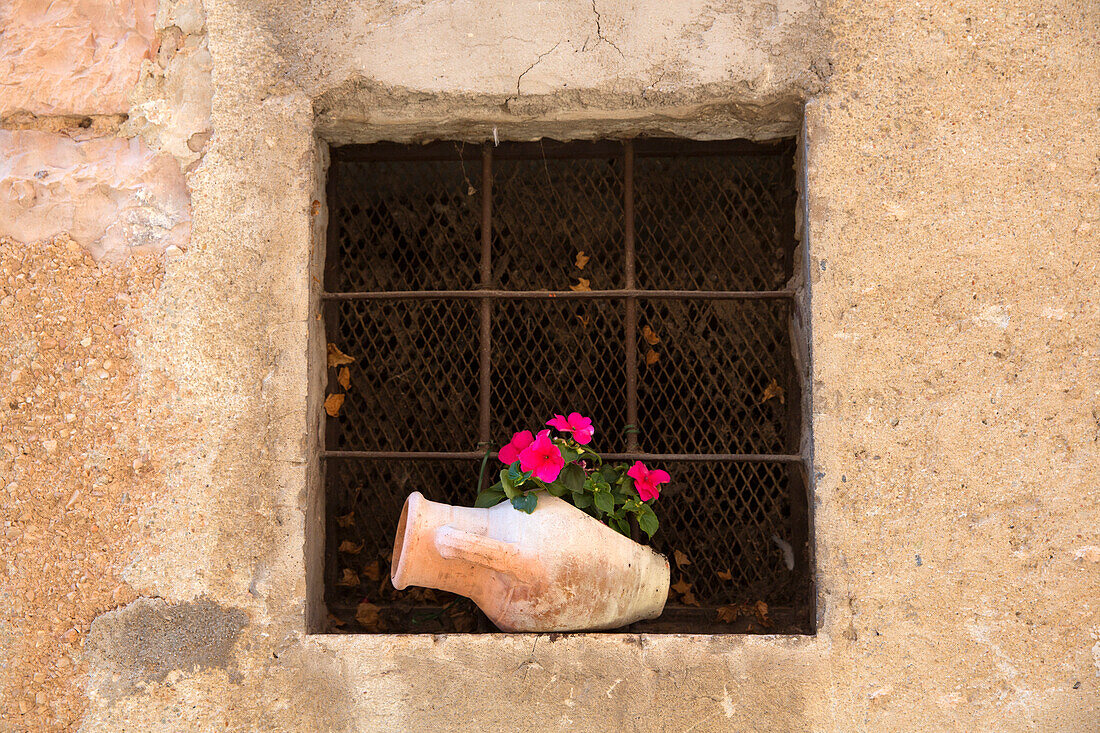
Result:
[{"x": 161, "y": 221}]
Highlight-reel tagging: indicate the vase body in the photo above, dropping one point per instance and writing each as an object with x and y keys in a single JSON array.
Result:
[{"x": 556, "y": 569}]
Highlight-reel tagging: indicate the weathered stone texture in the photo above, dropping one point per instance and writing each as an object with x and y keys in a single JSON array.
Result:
[
  {"x": 115, "y": 197},
  {"x": 952, "y": 201},
  {"x": 72, "y": 57}
]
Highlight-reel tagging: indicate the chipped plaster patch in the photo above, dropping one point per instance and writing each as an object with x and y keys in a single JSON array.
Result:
[{"x": 148, "y": 640}]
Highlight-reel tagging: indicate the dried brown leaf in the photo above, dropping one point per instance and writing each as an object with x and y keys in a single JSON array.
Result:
[
  {"x": 349, "y": 578},
  {"x": 681, "y": 586},
  {"x": 651, "y": 357},
  {"x": 586, "y": 321},
  {"x": 688, "y": 599},
  {"x": 334, "y": 621},
  {"x": 761, "y": 609},
  {"x": 582, "y": 260},
  {"x": 315, "y": 207},
  {"x": 350, "y": 547},
  {"x": 774, "y": 390},
  {"x": 344, "y": 377},
  {"x": 367, "y": 615},
  {"x": 346, "y": 520},
  {"x": 333, "y": 403},
  {"x": 729, "y": 614},
  {"x": 724, "y": 575},
  {"x": 650, "y": 336},
  {"x": 371, "y": 571},
  {"x": 681, "y": 558},
  {"x": 581, "y": 286},
  {"x": 338, "y": 358}
]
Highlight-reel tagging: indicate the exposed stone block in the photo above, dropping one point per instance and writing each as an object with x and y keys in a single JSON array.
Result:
[
  {"x": 75, "y": 57},
  {"x": 113, "y": 196}
]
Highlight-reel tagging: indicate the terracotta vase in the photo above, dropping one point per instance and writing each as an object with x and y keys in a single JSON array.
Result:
[{"x": 556, "y": 569}]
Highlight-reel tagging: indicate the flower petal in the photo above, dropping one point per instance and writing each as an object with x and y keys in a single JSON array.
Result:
[
  {"x": 638, "y": 471},
  {"x": 559, "y": 422},
  {"x": 658, "y": 476}
]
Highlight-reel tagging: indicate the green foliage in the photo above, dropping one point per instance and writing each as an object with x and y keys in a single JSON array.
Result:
[{"x": 603, "y": 491}]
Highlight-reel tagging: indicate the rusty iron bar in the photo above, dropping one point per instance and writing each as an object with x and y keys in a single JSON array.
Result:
[
  {"x": 629, "y": 456},
  {"x": 486, "y": 303},
  {"x": 564, "y": 294},
  {"x": 631, "y": 302}
]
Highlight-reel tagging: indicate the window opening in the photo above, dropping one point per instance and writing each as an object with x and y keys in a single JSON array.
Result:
[{"x": 454, "y": 279}]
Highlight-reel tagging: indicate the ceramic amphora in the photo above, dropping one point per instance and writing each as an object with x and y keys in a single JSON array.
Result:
[{"x": 556, "y": 569}]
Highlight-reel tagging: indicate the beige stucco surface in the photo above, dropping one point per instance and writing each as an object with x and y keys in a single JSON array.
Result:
[{"x": 951, "y": 205}]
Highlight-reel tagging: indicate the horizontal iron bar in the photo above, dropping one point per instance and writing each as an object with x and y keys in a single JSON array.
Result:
[
  {"x": 672, "y": 457},
  {"x": 555, "y": 150},
  {"x": 564, "y": 294}
]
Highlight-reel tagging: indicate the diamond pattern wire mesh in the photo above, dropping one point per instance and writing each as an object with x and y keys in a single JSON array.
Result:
[
  {"x": 704, "y": 391},
  {"x": 712, "y": 223},
  {"x": 405, "y": 225},
  {"x": 712, "y": 375},
  {"x": 556, "y": 357},
  {"x": 545, "y": 211},
  {"x": 414, "y": 383}
]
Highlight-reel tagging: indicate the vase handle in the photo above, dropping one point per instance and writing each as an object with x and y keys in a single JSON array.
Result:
[{"x": 503, "y": 557}]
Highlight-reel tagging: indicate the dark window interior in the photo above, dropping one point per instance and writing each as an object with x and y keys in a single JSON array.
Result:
[{"x": 452, "y": 280}]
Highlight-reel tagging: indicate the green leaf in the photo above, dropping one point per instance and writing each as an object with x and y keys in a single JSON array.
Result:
[
  {"x": 489, "y": 498},
  {"x": 620, "y": 525},
  {"x": 568, "y": 454},
  {"x": 582, "y": 500},
  {"x": 525, "y": 502},
  {"x": 506, "y": 484},
  {"x": 557, "y": 489},
  {"x": 647, "y": 521},
  {"x": 572, "y": 477},
  {"x": 610, "y": 474},
  {"x": 604, "y": 501},
  {"x": 515, "y": 473}
]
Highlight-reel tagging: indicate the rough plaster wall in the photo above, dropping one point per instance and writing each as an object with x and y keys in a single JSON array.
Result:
[{"x": 951, "y": 211}]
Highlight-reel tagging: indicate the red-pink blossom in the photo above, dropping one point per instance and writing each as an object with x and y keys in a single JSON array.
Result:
[
  {"x": 542, "y": 457},
  {"x": 647, "y": 482},
  {"x": 580, "y": 426},
  {"x": 509, "y": 454}
]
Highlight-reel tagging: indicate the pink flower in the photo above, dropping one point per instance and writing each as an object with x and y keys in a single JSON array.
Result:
[
  {"x": 542, "y": 457},
  {"x": 647, "y": 482},
  {"x": 580, "y": 426},
  {"x": 509, "y": 454}
]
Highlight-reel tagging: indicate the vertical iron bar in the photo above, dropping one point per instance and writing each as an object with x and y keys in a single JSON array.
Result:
[
  {"x": 631, "y": 302},
  {"x": 486, "y": 282}
]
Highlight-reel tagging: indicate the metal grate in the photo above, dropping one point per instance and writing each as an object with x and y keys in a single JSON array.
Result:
[{"x": 453, "y": 280}]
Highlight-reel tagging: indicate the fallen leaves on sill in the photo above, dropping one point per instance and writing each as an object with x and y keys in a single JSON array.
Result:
[
  {"x": 581, "y": 286},
  {"x": 681, "y": 558},
  {"x": 774, "y": 390},
  {"x": 343, "y": 377},
  {"x": 333, "y": 403},
  {"x": 338, "y": 358},
  {"x": 346, "y": 520},
  {"x": 367, "y": 614},
  {"x": 582, "y": 260},
  {"x": 372, "y": 571},
  {"x": 758, "y": 611},
  {"x": 350, "y": 547},
  {"x": 681, "y": 586},
  {"x": 688, "y": 599},
  {"x": 334, "y": 621},
  {"x": 348, "y": 579},
  {"x": 650, "y": 336}
]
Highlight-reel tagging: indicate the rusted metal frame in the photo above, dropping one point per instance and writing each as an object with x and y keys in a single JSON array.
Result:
[
  {"x": 486, "y": 303},
  {"x": 628, "y": 456},
  {"x": 555, "y": 150},
  {"x": 632, "y": 301},
  {"x": 564, "y": 294},
  {"x": 330, "y": 434}
]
